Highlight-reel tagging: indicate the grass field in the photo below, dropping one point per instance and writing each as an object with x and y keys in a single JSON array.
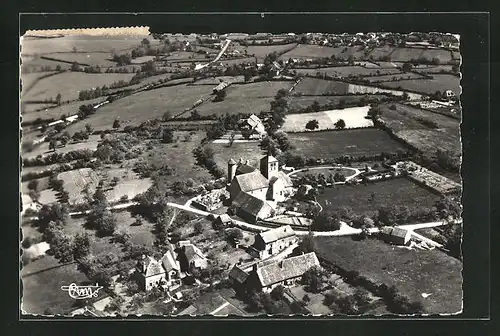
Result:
[
  {"x": 429, "y": 86},
  {"x": 234, "y": 104},
  {"x": 66, "y": 44},
  {"x": 103, "y": 59},
  {"x": 217, "y": 80},
  {"x": 349, "y": 142},
  {"x": 405, "y": 125},
  {"x": 317, "y": 87},
  {"x": 353, "y": 116},
  {"x": 143, "y": 59},
  {"x": 134, "y": 109},
  {"x": 56, "y": 112},
  {"x": 325, "y": 171},
  {"x": 348, "y": 70},
  {"x": 260, "y": 52},
  {"x": 298, "y": 102},
  {"x": 139, "y": 234},
  {"x": 413, "y": 272},
  {"x": 305, "y": 51},
  {"x": 442, "y": 55},
  {"x": 29, "y": 79},
  {"x": 398, "y": 192},
  {"x": 42, "y": 280},
  {"x": 230, "y": 62},
  {"x": 395, "y": 76},
  {"x": 179, "y": 157},
  {"x": 258, "y": 90},
  {"x": 376, "y": 53},
  {"x": 43, "y": 148},
  {"x": 405, "y": 54},
  {"x": 130, "y": 184},
  {"x": 69, "y": 84},
  {"x": 35, "y": 64}
]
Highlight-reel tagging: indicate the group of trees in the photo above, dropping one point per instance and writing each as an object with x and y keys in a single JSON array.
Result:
[
  {"x": 205, "y": 157},
  {"x": 101, "y": 91},
  {"x": 355, "y": 304},
  {"x": 326, "y": 221},
  {"x": 100, "y": 217},
  {"x": 116, "y": 148}
]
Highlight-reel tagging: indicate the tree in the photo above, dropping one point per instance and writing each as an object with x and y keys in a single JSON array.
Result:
[
  {"x": 33, "y": 185},
  {"x": 220, "y": 95},
  {"x": 145, "y": 42},
  {"x": 53, "y": 144},
  {"x": 340, "y": 124},
  {"x": 89, "y": 129},
  {"x": 407, "y": 67},
  {"x": 234, "y": 234},
  {"x": 75, "y": 67},
  {"x": 167, "y": 116},
  {"x": 312, "y": 124},
  {"x": 167, "y": 135},
  {"x": 198, "y": 228},
  {"x": 313, "y": 279},
  {"x": 116, "y": 123},
  {"x": 307, "y": 244},
  {"x": 58, "y": 99},
  {"x": 315, "y": 106},
  {"x": 81, "y": 246},
  {"x": 326, "y": 221},
  {"x": 278, "y": 293}
]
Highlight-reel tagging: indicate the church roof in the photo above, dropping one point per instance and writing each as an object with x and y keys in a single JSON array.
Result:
[
  {"x": 169, "y": 262},
  {"x": 249, "y": 204},
  {"x": 231, "y": 161},
  {"x": 251, "y": 181},
  {"x": 243, "y": 168}
]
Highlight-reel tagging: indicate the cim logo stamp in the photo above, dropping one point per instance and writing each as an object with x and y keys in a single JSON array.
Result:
[{"x": 82, "y": 292}]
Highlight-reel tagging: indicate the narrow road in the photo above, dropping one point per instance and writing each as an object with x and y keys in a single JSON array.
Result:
[{"x": 111, "y": 207}]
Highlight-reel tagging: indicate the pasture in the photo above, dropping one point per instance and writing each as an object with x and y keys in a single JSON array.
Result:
[
  {"x": 317, "y": 87},
  {"x": 43, "y": 148},
  {"x": 306, "y": 51},
  {"x": 55, "y": 112},
  {"x": 134, "y": 109},
  {"x": 35, "y": 64},
  {"x": 41, "y": 282},
  {"x": 348, "y": 70},
  {"x": 66, "y": 44},
  {"x": 139, "y": 234},
  {"x": 143, "y": 59},
  {"x": 130, "y": 184},
  {"x": 354, "y": 117},
  {"x": 177, "y": 156},
  {"x": 348, "y": 142},
  {"x": 413, "y": 272},
  {"x": 29, "y": 79},
  {"x": 403, "y": 121},
  {"x": 217, "y": 80},
  {"x": 234, "y": 104},
  {"x": 260, "y": 52},
  {"x": 103, "y": 59},
  {"x": 258, "y": 90},
  {"x": 69, "y": 84},
  {"x": 428, "y": 86},
  {"x": 405, "y": 54},
  {"x": 367, "y": 199},
  {"x": 442, "y": 55},
  {"x": 394, "y": 77},
  {"x": 300, "y": 102},
  {"x": 325, "y": 171},
  {"x": 379, "y": 52}
]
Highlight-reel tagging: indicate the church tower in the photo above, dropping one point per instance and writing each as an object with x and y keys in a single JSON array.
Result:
[{"x": 269, "y": 166}]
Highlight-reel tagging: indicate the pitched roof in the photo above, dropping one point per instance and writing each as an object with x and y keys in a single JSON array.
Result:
[
  {"x": 192, "y": 253},
  {"x": 224, "y": 218},
  {"x": 277, "y": 234},
  {"x": 249, "y": 203},
  {"x": 287, "y": 181},
  {"x": 398, "y": 232},
  {"x": 238, "y": 274},
  {"x": 231, "y": 161},
  {"x": 251, "y": 181},
  {"x": 253, "y": 120},
  {"x": 286, "y": 269},
  {"x": 152, "y": 266},
  {"x": 243, "y": 168},
  {"x": 268, "y": 158},
  {"x": 169, "y": 262}
]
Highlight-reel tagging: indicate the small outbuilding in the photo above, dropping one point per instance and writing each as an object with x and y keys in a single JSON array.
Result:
[{"x": 396, "y": 236}]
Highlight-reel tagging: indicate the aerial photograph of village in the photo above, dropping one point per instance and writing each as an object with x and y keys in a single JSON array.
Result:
[{"x": 240, "y": 174}]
